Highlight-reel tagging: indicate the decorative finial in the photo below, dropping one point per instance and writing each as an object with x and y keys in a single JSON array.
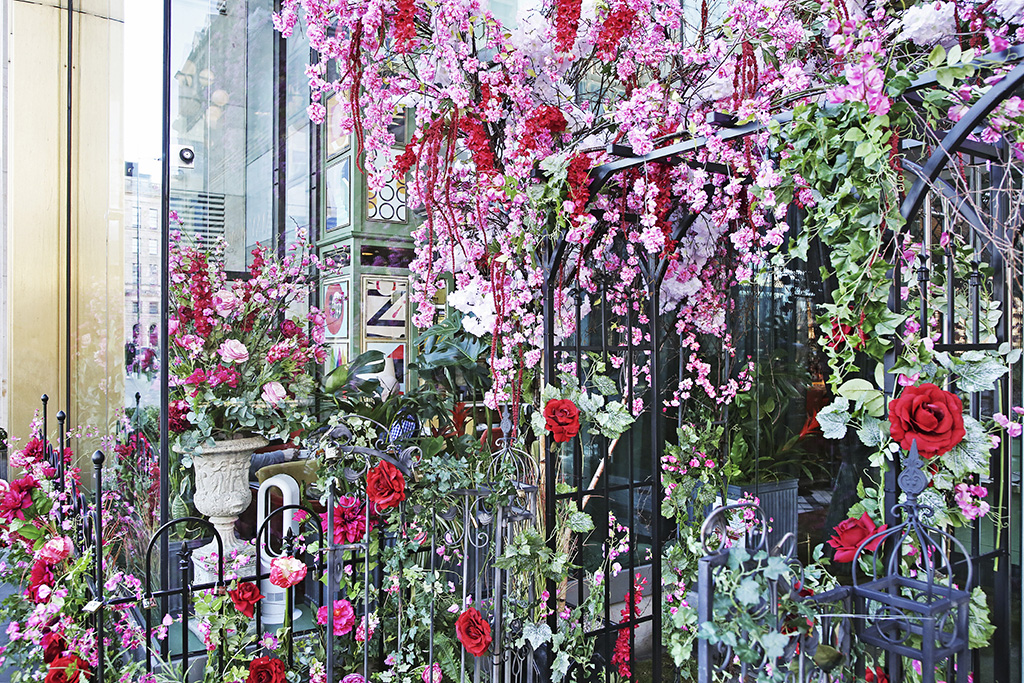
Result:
[
  {"x": 98, "y": 458},
  {"x": 506, "y": 423},
  {"x": 61, "y": 416},
  {"x": 912, "y": 479}
]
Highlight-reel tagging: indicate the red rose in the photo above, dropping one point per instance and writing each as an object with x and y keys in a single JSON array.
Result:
[
  {"x": 289, "y": 329},
  {"x": 876, "y": 675},
  {"x": 473, "y": 631},
  {"x": 245, "y": 598},
  {"x": 53, "y": 646},
  {"x": 385, "y": 486},
  {"x": 562, "y": 419},
  {"x": 850, "y": 533},
  {"x": 68, "y": 670},
  {"x": 929, "y": 414},
  {"x": 266, "y": 670}
]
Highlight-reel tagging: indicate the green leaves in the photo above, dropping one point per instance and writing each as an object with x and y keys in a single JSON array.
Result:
[
  {"x": 864, "y": 396},
  {"x": 748, "y": 592},
  {"x": 970, "y": 456},
  {"x": 580, "y": 522},
  {"x": 834, "y": 418},
  {"x": 974, "y": 370}
]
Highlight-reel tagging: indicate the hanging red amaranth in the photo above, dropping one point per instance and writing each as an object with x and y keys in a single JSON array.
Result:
[
  {"x": 546, "y": 119},
  {"x": 405, "y": 26},
  {"x": 567, "y": 23},
  {"x": 479, "y": 144},
  {"x": 578, "y": 177},
  {"x": 356, "y": 64},
  {"x": 621, "y": 653},
  {"x": 614, "y": 29}
]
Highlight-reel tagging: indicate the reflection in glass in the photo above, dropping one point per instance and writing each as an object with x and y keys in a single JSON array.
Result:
[
  {"x": 390, "y": 203},
  {"x": 297, "y": 142},
  {"x": 386, "y": 257},
  {"x": 339, "y": 194},
  {"x": 337, "y": 142}
]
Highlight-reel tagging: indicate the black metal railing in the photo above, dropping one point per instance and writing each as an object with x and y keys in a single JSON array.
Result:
[{"x": 485, "y": 530}]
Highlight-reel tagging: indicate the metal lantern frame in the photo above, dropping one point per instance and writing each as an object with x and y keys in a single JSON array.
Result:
[{"x": 899, "y": 606}]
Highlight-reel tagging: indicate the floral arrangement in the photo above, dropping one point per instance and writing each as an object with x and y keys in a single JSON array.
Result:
[
  {"x": 241, "y": 361},
  {"x": 510, "y": 120}
]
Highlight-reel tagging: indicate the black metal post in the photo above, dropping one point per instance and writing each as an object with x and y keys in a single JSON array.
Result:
[
  {"x": 97, "y": 462},
  {"x": 165, "y": 261}
]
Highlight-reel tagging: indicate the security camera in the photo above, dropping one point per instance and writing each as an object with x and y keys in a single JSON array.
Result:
[{"x": 186, "y": 156}]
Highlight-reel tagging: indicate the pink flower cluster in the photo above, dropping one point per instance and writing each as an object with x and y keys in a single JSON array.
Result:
[{"x": 969, "y": 498}]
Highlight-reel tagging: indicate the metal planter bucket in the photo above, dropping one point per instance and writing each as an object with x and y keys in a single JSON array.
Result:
[{"x": 779, "y": 502}]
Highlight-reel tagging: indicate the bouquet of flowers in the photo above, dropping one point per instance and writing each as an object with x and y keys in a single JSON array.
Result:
[{"x": 241, "y": 359}]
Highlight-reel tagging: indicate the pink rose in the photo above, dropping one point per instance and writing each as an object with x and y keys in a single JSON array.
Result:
[
  {"x": 55, "y": 550},
  {"x": 273, "y": 393},
  {"x": 172, "y": 326},
  {"x": 286, "y": 572},
  {"x": 233, "y": 351},
  {"x": 224, "y": 302},
  {"x": 344, "y": 617},
  {"x": 433, "y": 674}
]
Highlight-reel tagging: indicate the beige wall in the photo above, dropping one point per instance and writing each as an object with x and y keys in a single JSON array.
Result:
[{"x": 35, "y": 212}]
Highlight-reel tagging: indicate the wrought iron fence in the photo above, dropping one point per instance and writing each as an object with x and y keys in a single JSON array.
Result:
[{"x": 483, "y": 529}]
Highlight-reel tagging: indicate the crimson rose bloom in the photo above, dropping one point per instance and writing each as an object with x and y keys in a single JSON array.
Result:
[
  {"x": 53, "y": 646},
  {"x": 929, "y": 414},
  {"x": 876, "y": 675},
  {"x": 473, "y": 631},
  {"x": 68, "y": 670},
  {"x": 266, "y": 670},
  {"x": 562, "y": 419},
  {"x": 850, "y": 533},
  {"x": 245, "y": 598},
  {"x": 289, "y": 329},
  {"x": 385, "y": 486}
]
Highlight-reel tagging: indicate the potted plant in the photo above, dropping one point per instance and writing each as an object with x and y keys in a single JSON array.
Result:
[
  {"x": 241, "y": 363},
  {"x": 766, "y": 458}
]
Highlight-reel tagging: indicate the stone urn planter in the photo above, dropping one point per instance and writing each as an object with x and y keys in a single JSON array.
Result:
[{"x": 222, "y": 494}]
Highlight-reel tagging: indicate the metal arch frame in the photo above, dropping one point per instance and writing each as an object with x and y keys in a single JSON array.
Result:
[{"x": 555, "y": 252}]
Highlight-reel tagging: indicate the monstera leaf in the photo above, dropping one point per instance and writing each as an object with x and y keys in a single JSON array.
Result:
[{"x": 348, "y": 382}]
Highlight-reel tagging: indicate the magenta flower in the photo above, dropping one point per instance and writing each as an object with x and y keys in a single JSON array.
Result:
[{"x": 344, "y": 617}]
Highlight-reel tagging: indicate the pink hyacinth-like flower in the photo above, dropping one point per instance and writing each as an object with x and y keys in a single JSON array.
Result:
[
  {"x": 233, "y": 351},
  {"x": 286, "y": 572},
  {"x": 273, "y": 393}
]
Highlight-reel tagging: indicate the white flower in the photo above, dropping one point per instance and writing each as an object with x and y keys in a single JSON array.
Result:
[
  {"x": 477, "y": 306},
  {"x": 929, "y": 23},
  {"x": 1009, "y": 10}
]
